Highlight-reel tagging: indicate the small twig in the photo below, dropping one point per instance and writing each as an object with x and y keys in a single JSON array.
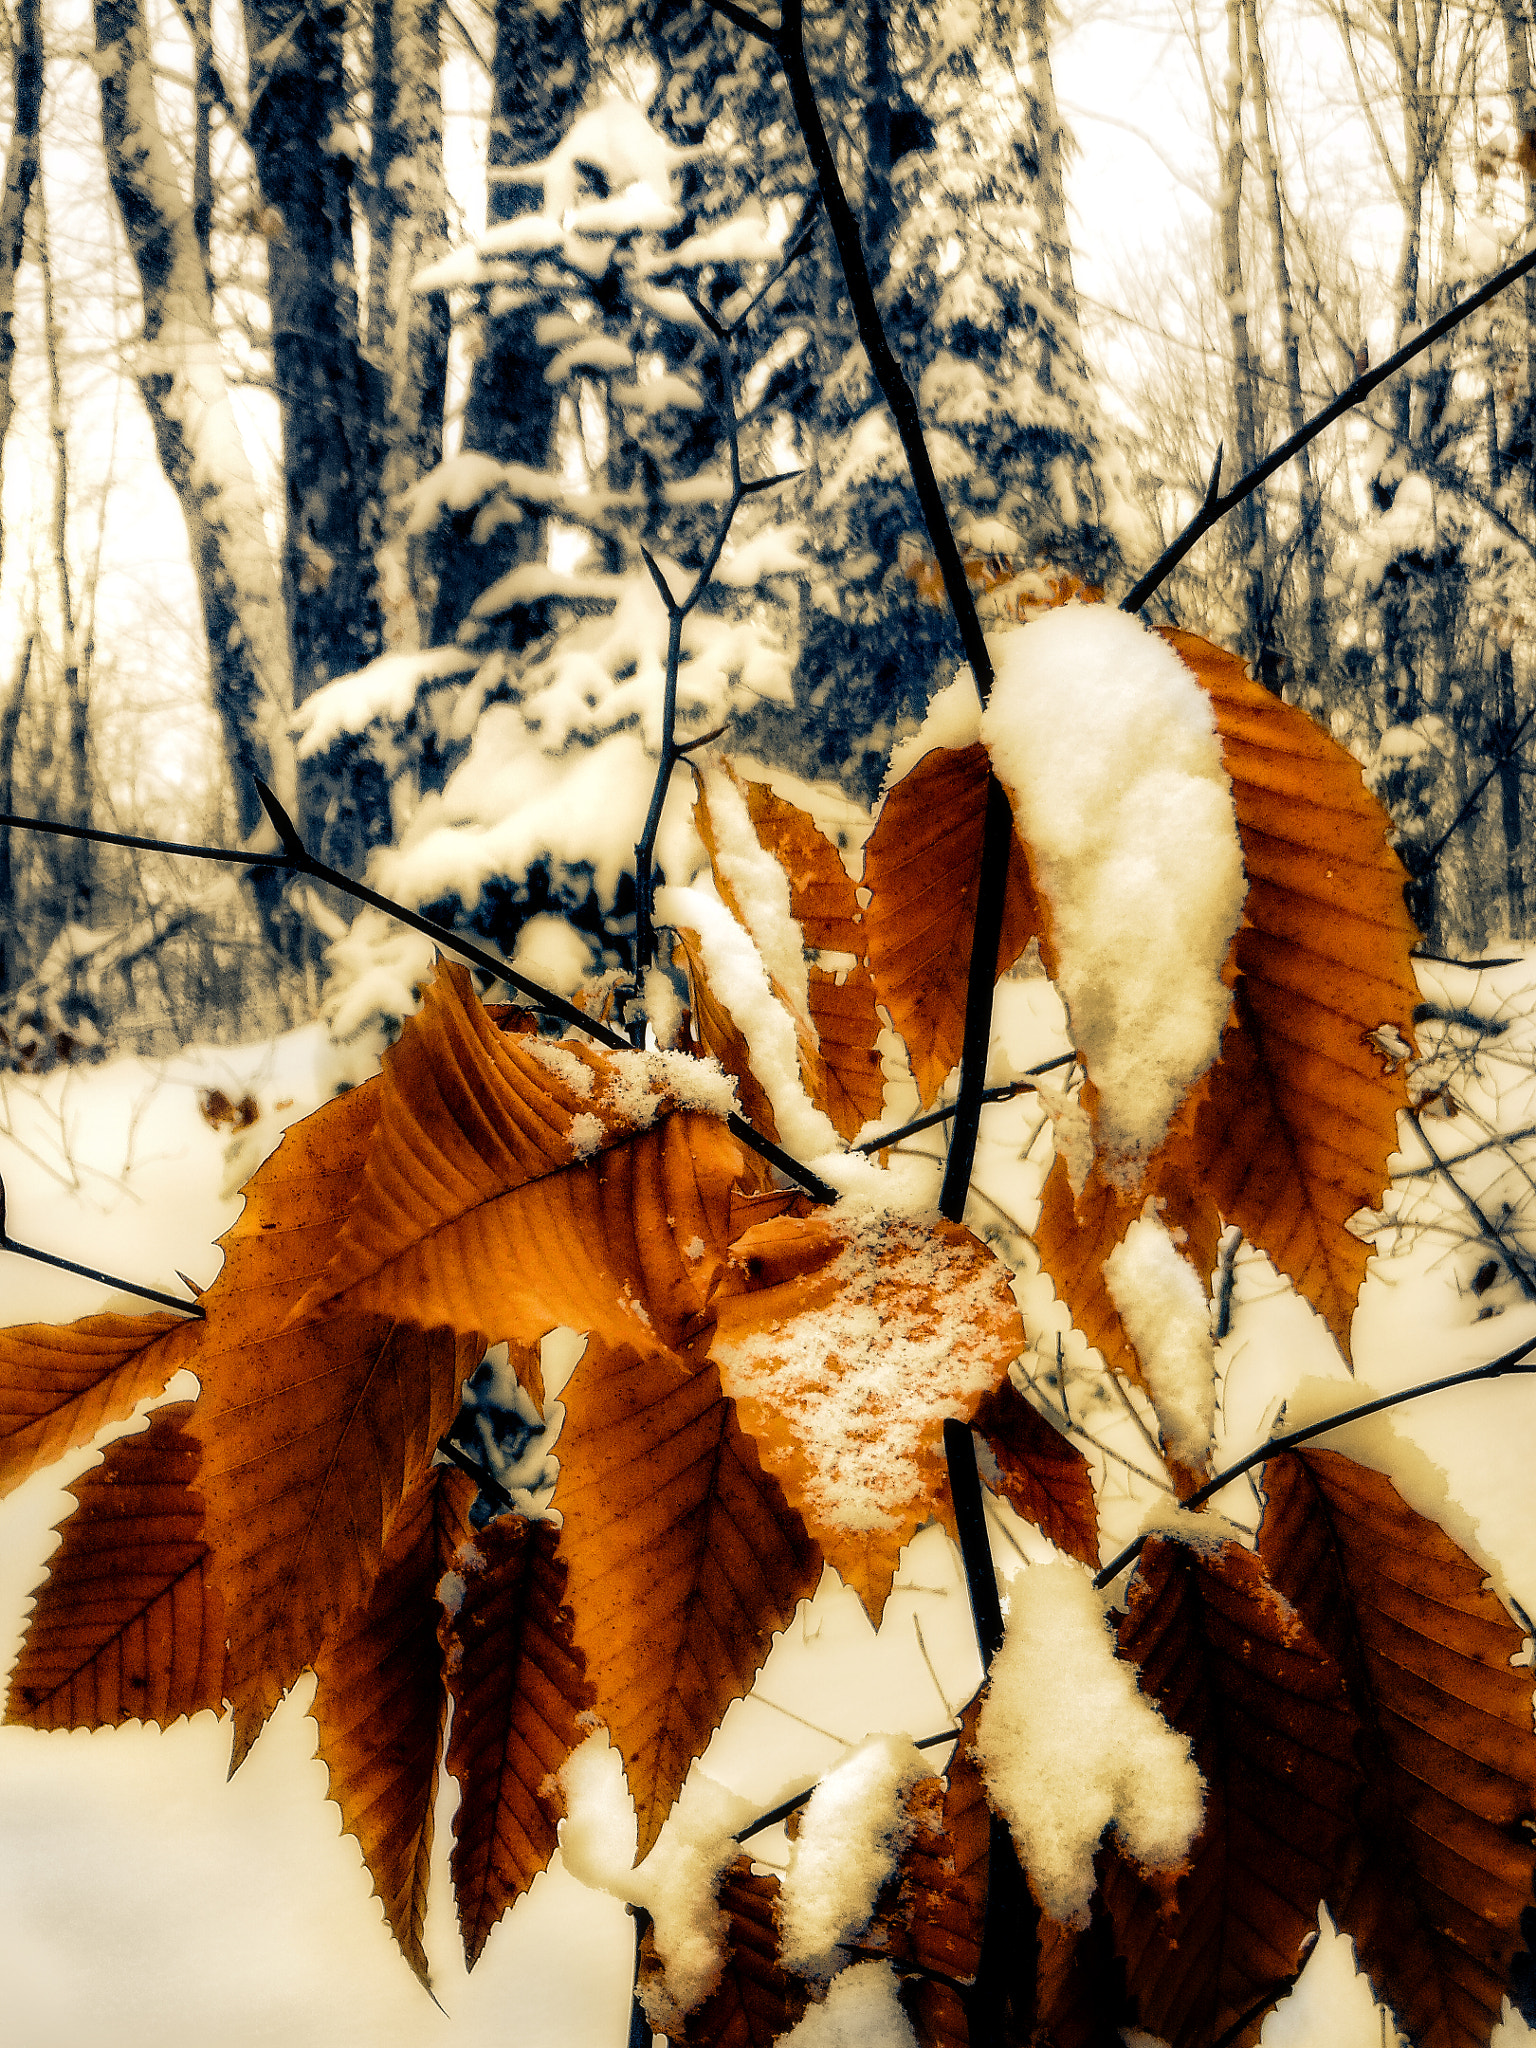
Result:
[
  {"x": 1517, "y": 1361},
  {"x": 1129, "y": 1406},
  {"x": 1226, "y": 1275},
  {"x": 786, "y": 1807},
  {"x": 27, "y": 1251},
  {"x": 294, "y": 860},
  {"x": 487, "y": 1480},
  {"x": 1216, "y": 508},
  {"x": 1514, "y": 1262},
  {"x": 1003, "y": 1093}
]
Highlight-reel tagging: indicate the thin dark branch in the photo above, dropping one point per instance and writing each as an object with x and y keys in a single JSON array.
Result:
[
  {"x": 793, "y": 1804},
  {"x": 1476, "y": 966},
  {"x": 975, "y": 1546},
  {"x": 298, "y": 861},
  {"x": 1512, "y": 1259},
  {"x": 1216, "y": 508},
  {"x": 946, "y": 1110},
  {"x": 27, "y": 1251},
  {"x": 487, "y": 1481},
  {"x": 1517, "y": 1361}
]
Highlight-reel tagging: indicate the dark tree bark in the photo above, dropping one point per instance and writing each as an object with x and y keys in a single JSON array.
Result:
[
  {"x": 540, "y": 71},
  {"x": 21, "y": 159}
]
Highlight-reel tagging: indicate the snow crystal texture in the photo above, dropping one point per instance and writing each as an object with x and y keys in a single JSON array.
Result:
[
  {"x": 1159, "y": 1298},
  {"x": 1107, "y": 747},
  {"x": 1068, "y": 1745},
  {"x": 854, "y": 1829}
]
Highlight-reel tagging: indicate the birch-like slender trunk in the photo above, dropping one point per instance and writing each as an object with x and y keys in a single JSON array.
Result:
[
  {"x": 408, "y": 332},
  {"x": 11, "y": 701},
  {"x": 1312, "y": 627},
  {"x": 1249, "y": 519},
  {"x": 178, "y": 368},
  {"x": 1522, "y": 102}
]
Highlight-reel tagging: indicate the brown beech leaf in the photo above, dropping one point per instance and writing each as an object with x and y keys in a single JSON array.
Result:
[
  {"x": 934, "y": 1928},
  {"x": 1432, "y": 1883},
  {"x": 922, "y": 867},
  {"x": 1080, "y": 1998},
  {"x": 511, "y": 1185},
  {"x": 313, "y": 1432},
  {"x": 845, "y": 1341},
  {"x": 1300, "y": 1114},
  {"x": 851, "y": 1081},
  {"x": 1233, "y": 1667},
  {"x": 518, "y": 1690},
  {"x": 128, "y": 1626},
  {"x": 822, "y": 897},
  {"x": 1039, "y": 1473},
  {"x": 683, "y": 1557},
  {"x": 1076, "y": 1234},
  {"x": 380, "y": 1706},
  {"x": 756, "y": 2001},
  {"x": 717, "y": 1035},
  {"x": 59, "y": 1386}
]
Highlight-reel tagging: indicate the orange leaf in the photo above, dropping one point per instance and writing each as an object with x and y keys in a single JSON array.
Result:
[
  {"x": 512, "y": 1185},
  {"x": 1433, "y": 1884},
  {"x": 312, "y": 1432},
  {"x": 1300, "y": 1113},
  {"x": 380, "y": 1706},
  {"x": 1230, "y": 1665},
  {"x": 852, "y": 1083},
  {"x": 822, "y": 897},
  {"x": 1075, "y": 1236},
  {"x": 684, "y": 1559},
  {"x": 1042, "y": 1476},
  {"x": 59, "y": 1386},
  {"x": 756, "y": 2001},
  {"x": 845, "y": 1342},
  {"x": 922, "y": 867},
  {"x": 518, "y": 1688},
  {"x": 128, "y": 1626}
]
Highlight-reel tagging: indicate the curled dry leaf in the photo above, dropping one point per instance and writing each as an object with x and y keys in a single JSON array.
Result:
[
  {"x": 59, "y": 1386},
  {"x": 1295, "y": 1126},
  {"x": 380, "y": 1707},
  {"x": 845, "y": 1342},
  {"x": 519, "y": 1691},
  {"x": 922, "y": 867}
]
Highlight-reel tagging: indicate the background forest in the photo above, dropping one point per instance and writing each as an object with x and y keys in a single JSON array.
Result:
[
  {"x": 404, "y": 299},
  {"x": 383, "y": 392}
]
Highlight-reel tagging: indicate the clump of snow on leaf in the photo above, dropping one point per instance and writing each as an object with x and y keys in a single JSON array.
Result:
[
  {"x": 1107, "y": 747},
  {"x": 756, "y": 881},
  {"x": 907, "y": 1323},
  {"x": 1159, "y": 1298},
  {"x": 676, "y": 1884},
  {"x": 1068, "y": 1745},
  {"x": 854, "y": 1829},
  {"x": 740, "y": 981},
  {"x": 861, "y": 2010}
]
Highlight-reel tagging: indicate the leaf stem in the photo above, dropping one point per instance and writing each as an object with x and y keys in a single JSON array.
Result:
[
  {"x": 28, "y": 1251},
  {"x": 1517, "y": 1361}
]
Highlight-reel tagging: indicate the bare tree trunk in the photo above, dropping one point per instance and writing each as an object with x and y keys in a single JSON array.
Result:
[
  {"x": 21, "y": 160},
  {"x": 72, "y": 805},
  {"x": 180, "y": 377},
  {"x": 304, "y": 144},
  {"x": 1249, "y": 518},
  {"x": 1309, "y": 555},
  {"x": 540, "y": 70},
  {"x": 1522, "y": 99},
  {"x": 10, "y": 722},
  {"x": 408, "y": 332}
]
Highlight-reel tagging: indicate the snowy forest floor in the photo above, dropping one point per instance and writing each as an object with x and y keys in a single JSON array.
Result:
[{"x": 146, "y": 1902}]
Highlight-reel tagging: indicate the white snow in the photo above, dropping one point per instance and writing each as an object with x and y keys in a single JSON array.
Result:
[
  {"x": 1161, "y": 1301},
  {"x": 739, "y": 980},
  {"x": 861, "y": 2010},
  {"x": 862, "y": 1382},
  {"x": 851, "y": 1835},
  {"x": 952, "y": 720},
  {"x": 678, "y": 1881},
  {"x": 1068, "y": 1745},
  {"x": 551, "y": 951},
  {"x": 755, "y": 880},
  {"x": 386, "y": 688},
  {"x": 1107, "y": 747}
]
